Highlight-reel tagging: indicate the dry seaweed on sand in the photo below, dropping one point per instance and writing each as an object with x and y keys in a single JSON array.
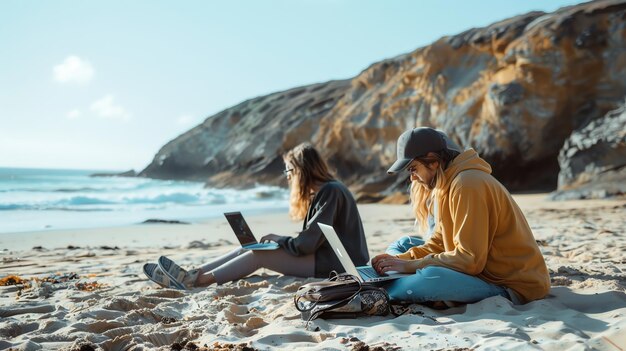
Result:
[
  {"x": 25, "y": 284},
  {"x": 12, "y": 280}
]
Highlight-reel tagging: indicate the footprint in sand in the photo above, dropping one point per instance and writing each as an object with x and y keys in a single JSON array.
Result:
[
  {"x": 231, "y": 317},
  {"x": 121, "y": 304},
  {"x": 98, "y": 327},
  {"x": 147, "y": 316},
  {"x": 12, "y": 330},
  {"x": 166, "y": 293},
  {"x": 99, "y": 314},
  {"x": 118, "y": 332},
  {"x": 50, "y": 326},
  {"x": 122, "y": 342},
  {"x": 34, "y": 309},
  {"x": 241, "y": 288},
  {"x": 279, "y": 339},
  {"x": 165, "y": 339},
  {"x": 125, "y": 338},
  {"x": 255, "y": 323}
]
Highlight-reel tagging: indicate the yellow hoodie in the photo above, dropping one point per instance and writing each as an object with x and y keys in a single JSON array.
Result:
[{"x": 482, "y": 232}]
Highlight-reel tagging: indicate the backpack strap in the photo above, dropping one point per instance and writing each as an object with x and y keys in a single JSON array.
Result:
[{"x": 334, "y": 276}]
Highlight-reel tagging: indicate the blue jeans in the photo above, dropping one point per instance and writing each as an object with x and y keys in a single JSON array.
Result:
[{"x": 435, "y": 283}]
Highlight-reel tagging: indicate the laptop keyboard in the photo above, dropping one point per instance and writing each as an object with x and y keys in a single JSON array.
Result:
[
  {"x": 368, "y": 272},
  {"x": 261, "y": 245}
]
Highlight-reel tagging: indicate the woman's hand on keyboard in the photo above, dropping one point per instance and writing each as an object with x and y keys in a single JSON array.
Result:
[
  {"x": 270, "y": 237},
  {"x": 388, "y": 263}
]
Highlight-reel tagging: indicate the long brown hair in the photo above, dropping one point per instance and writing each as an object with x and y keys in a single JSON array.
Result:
[
  {"x": 423, "y": 196},
  {"x": 309, "y": 169}
]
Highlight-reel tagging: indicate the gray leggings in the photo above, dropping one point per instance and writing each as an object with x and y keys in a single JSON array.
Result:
[{"x": 240, "y": 263}]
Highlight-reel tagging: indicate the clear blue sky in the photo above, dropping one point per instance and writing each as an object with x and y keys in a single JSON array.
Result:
[{"x": 105, "y": 84}]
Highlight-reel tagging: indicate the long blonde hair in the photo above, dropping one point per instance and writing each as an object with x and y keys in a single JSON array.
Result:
[
  {"x": 423, "y": 196},
  {"x": 309, "y": 169}
]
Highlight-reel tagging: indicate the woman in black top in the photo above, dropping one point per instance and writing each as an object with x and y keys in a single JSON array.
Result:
[{"x": 315, "y": 197}]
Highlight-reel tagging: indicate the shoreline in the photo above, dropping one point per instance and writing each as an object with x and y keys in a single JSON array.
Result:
[
  {"x": 38, "y": 200},
  {"x": 216, "y": 228},
  {"x": 140, "y": 235}
]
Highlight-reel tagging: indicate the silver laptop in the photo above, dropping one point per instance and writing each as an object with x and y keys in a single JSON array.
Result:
[
  {"x": 244, "y": 234},
  {"x": 366, "y": 273}
]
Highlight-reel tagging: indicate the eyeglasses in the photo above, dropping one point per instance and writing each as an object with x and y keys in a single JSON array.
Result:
[
  {"x": 412, "y": 169},
  {"x": 286, "y": 172}
]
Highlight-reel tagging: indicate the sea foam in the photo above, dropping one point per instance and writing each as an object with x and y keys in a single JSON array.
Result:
[{"x": 33, "y": 199}]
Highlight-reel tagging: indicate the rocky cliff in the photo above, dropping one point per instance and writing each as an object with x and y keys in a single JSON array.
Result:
[
  {"x": 242, "y": 146},
  {"x": 514, "y": 91},
  {"x": 593, "y": 159}
]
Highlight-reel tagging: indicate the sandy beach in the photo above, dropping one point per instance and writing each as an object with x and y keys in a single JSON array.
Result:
[{"x": 89, "y": 292}]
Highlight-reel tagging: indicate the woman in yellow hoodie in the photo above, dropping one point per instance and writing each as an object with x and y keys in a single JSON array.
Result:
[{"x": 481, "y": 244}]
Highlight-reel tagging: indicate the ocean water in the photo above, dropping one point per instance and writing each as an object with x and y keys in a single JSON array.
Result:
[{"x": 45, "y": 199}]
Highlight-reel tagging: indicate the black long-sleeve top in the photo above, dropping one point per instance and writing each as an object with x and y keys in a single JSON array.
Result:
[{"x": 334, "y": 205}]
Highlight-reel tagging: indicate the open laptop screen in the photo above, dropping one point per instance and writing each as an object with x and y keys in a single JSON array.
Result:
[
  {"x": 240, "y": 227},
  {"x": 340, "y": 250}
]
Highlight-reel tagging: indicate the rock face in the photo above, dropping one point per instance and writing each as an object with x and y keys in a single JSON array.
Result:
[
  {"x": 242, "y": 146},
  {"x": 514, "y": 91},
  {"x": 593, "y": 159}
]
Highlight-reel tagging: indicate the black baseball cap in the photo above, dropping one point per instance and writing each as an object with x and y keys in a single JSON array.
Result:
[{"x": 416, "y": 143}]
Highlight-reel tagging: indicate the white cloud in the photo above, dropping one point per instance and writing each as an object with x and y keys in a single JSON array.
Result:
[
  {"x": 106, "y": 108},
  {"x": 74, "y": 114},
  {"x": 73, "y": 70}
]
